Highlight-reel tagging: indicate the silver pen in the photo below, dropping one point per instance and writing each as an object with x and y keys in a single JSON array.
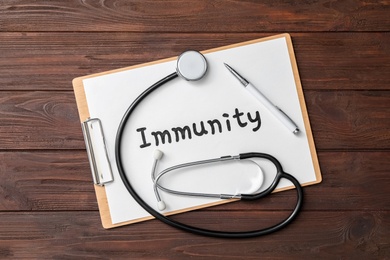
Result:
[{"x": 277, "y": 112}]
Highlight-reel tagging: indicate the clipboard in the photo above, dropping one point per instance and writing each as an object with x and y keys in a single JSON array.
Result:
[{"x": 84, "y": 115}]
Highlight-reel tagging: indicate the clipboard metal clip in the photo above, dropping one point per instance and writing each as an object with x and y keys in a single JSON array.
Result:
[{"x": 97, "y": 151}]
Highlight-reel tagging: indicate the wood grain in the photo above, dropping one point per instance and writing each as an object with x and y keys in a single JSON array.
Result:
[
  {"x": 61, "y": 180},
  {"x": 39, "y": 120},
  {"x": 340, "y": 120},
  {"x": 344, "y": 234},
  {"x": 57, "y": 180},
  {"x": 49, "y": 61},
  {"x": 194, "y": 16},
  {"x": 350, "y": 119},
  {"x": 48, "y": 208}
]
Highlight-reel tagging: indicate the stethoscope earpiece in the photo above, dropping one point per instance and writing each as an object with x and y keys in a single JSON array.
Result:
[{"x": 191, "y": 65}]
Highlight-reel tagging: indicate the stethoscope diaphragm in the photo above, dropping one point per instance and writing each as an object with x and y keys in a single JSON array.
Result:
[{"x": 191, "y": 65}]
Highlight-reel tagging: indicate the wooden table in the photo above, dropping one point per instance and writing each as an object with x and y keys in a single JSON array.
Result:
[{"x": 48, "y": 206}]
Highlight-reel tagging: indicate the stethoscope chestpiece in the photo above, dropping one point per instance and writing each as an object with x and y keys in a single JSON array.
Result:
[{"x": 191, "y": 65}]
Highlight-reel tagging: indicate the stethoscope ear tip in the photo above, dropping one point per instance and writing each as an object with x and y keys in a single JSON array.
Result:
[
  {"x": 161, "y": 205},
  {"x": 158, "y": 154}
]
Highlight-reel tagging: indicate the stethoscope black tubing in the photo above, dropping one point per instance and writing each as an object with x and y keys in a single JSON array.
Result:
[{"x": 206, "y": 232}]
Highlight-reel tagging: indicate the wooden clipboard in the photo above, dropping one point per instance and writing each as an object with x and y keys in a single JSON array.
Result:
[{"x": 84, "y": 115}]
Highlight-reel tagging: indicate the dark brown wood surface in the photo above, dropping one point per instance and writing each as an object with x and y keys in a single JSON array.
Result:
[{"x": 48, "y": 208}]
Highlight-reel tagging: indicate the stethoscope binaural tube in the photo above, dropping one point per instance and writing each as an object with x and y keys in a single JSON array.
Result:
[
  {"x": 213, "y": 233},
  {"x": 256, "y": 183}
]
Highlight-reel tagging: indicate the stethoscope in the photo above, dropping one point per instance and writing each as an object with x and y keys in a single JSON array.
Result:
[{"x": 192, "y": 66}]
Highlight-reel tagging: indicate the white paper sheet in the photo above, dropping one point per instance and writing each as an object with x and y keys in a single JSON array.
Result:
[{"x": 180, "y": 103}]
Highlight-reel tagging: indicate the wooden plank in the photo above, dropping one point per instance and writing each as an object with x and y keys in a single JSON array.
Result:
[
  {"x": 49, "y": 61},
  {"x": 56, "y": 180},
  {"x": 47, "y": 204},
  {"x": 39, "y": 120},
  {"x": 61, "y": 180},
  {"x": 343, "y": 61},
  {"x": 339, "y": 120},
  {"x": 190, "y": 16},
  {"x": 333, "y": 234},
  {"x": 349, "y": 119}
]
